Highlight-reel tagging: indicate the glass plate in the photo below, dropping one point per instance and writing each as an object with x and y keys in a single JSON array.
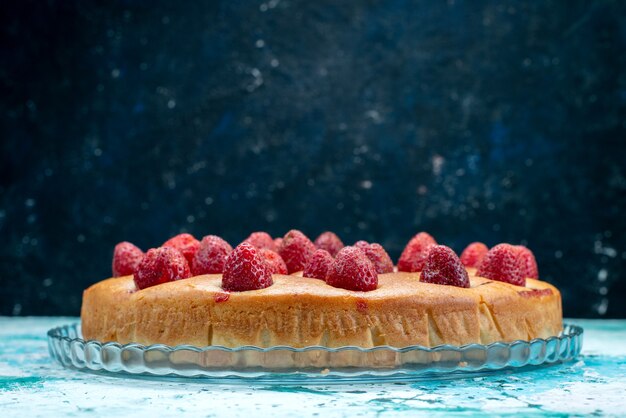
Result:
[{"x": 309, "y": 365}]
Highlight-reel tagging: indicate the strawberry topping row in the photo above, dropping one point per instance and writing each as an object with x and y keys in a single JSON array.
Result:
[{"x": 251, "y": 264}]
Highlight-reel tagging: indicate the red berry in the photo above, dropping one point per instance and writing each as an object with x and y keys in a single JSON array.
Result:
[
  {"x": 529, "y": 264},
  {"x": 502, "y": 263},
  {"x": 261, "y": 240},
  {"x": 318, "y": 265},
  {"x": 444, "y": 267},
  {"x": 274, "y": 260},
  {"x": 161, "y": 265},
  {"x": 473, "y": 254},
  {"x": 330, "y": 242},
  {"x": 211, "y": 256},
  {"x": 246, "y": 270},
  {"x": 126, "y": 258},
  {"x": 296, "y": 249},
  {"x": 377, "y": 255},
  {"x": 352, "y": 270},
  {"x": 185, "y": 243},
  {"x": 278, "y": 242},
  {"x": 362, "y": 245},
  {"x": 414, "y": 255}
]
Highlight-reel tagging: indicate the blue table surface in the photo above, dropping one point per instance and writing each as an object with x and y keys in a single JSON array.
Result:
[{"x": 31, "y": 384}]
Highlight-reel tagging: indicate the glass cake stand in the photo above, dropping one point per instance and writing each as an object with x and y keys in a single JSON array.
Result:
[{"x": 308, "y": 365}]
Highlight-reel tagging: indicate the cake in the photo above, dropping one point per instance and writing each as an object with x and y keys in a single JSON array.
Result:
[{"x": 205, "y": 293}]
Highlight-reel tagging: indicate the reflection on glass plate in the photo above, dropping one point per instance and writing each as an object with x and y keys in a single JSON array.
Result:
[{"x": 308, "y": 365}]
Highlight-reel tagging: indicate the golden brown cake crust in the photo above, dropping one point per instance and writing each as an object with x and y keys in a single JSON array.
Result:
[{"x": 299, "y": 312}]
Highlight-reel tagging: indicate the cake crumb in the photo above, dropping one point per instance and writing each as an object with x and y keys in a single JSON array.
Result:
[
  {"x": 463, "y": 364},
  {"x": 325, "y": 371}
]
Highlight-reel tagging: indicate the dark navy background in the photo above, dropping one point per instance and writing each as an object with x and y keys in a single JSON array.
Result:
[{"x": 484, "y": 120}]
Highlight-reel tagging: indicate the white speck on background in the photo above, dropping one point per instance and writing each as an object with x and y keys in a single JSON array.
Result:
[
  {"x": 374, "y": 115},
  {"x": 603, "y": 306},
  {"x": 437, "y": 162}
]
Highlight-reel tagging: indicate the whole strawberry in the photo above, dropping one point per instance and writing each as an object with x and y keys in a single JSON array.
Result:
[
  {"x": 529, "y": 264},
  {"x": 473, "y": 254},
  {"x": 211, "y": 256},
  {"x": 414, "y": 255},
  {"x": 377, "y": 255},
  {"x": 318, "y": 265},
  {"x": 444, "y": 267},
  {"x": 246, "y": 269},
  {"x": 352, "y": 270},
  {"x": 502, "y": 263},
  {"x": 161, "y": 265},
  {"x": 274, "y": 260},
  {"x": 185, "y": 243},
  {"x": 296, "y": 249},
  {"x": 126, "y": 258},
  {"x": 330, "y": 242},
  {"x": 261, "y": 240}
]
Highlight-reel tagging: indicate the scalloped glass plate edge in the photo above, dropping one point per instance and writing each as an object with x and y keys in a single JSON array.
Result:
[{"x": 308, "y": 365}]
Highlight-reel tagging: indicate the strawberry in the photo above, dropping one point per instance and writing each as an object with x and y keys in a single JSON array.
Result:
[
  {"x": 261, "y": 240},
  {"x": 318, "y": 264},
  {"x": 377, "y": 255},
  {"x": 362, "y": 245},
  {"x": 330, "y": 242},
  {"x": 211, "y": 256},
  {"x": 352, "y": 270},
  {"x": 444, "y": 267},
  {"x": 126, "y": 258},
  {"x": 503, "y": 263},
  {"x": 414, "y": 255},
  {"x": 274, "y": 260},
  {"x": 473, "y": 254},
  {"x": 296, "y": 249},
  {"x": 161, "y": 265},
  {"x": 246, "y": 269},
  {"x": 185, "y": 243},
  {"x": 529, "y": 264}
]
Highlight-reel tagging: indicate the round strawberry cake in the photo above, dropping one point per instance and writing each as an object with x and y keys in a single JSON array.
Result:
[{"x": 292, "y": 291}]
